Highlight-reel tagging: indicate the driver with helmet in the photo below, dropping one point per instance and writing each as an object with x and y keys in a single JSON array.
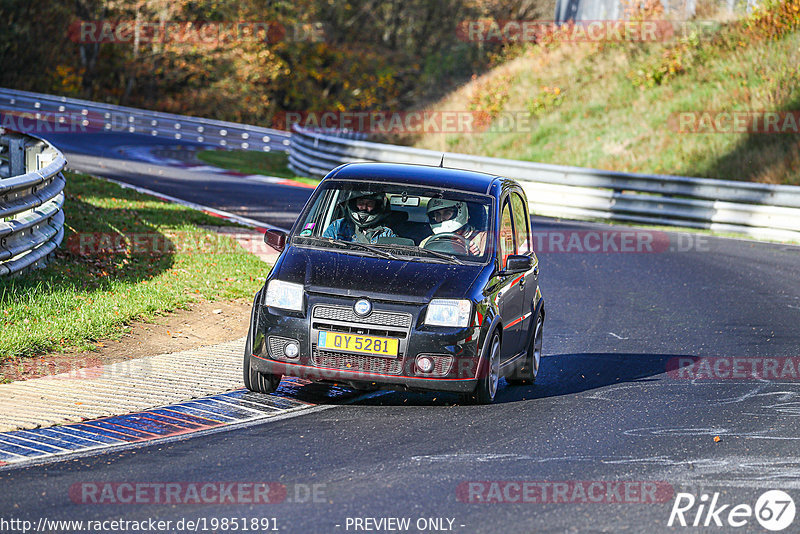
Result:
[
  {"x": 449, "y": 218},
  {"x": 365, "y": 211}
]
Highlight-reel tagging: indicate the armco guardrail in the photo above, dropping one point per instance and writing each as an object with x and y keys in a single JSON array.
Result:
[
  {"x": 31, "y": 201},
  {"x": 758, "y": 210},
  {"x": 61, "y": 114}
]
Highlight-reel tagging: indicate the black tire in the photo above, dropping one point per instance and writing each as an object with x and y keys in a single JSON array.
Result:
[
  {"x": 253, "y": 380},
  {"x": 527, "y": 374},
  {"x": 489, "y": 379}
]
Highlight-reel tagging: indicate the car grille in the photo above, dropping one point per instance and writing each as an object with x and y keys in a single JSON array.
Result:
[
  {"x": 353, "y": 362},
  {"x": 376, "y": 318},
  {"x": 379, "y": 323}
]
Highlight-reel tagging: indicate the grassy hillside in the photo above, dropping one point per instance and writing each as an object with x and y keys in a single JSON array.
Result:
[{"x": 608, "y": 105}]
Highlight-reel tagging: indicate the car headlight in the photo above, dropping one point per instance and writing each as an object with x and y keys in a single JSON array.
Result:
[
  {"x": 284, "y": 295},
  {"x": 448, "y": 312}
]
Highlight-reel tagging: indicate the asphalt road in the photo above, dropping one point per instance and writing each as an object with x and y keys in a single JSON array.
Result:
[
  {"x": 604, "y": 408},
  {"x": 123, "y": 157}
]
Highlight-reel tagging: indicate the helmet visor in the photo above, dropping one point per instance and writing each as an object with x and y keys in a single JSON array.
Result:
[
  {"x": 441, "y": 215},
  {"x": 364, "y": 205}
]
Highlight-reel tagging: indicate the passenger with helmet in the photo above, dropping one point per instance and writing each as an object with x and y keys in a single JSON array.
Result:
[
  {"x": 450, "y": 219},
  {"x": 364, "y": 213}
]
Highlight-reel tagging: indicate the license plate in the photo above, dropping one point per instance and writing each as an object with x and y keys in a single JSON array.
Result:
[{"x": 376, "y": 346}]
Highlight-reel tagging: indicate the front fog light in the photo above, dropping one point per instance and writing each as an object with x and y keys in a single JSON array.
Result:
[
  {"x": 291, "y": 350},
  {"x": 425, "y": 364}
]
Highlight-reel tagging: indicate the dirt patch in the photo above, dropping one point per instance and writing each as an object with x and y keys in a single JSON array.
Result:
[{"x": 205, "y": 323}]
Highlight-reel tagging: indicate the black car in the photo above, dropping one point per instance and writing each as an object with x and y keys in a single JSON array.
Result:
[{"x": 402, "y": 276}]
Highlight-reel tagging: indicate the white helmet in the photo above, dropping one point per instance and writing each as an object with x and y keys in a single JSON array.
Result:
[{"x": 457, "y": 211}]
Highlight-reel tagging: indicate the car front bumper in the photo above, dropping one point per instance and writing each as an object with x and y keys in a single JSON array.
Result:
[{"x": 454, "y": 350}]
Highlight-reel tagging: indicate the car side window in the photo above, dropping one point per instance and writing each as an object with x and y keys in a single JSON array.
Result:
[
  {"x": 506, "y": 235},
  {"x": 521, "y": 224}
]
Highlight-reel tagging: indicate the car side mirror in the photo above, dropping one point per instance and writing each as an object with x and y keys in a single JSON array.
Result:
[
  {"x": 276, "y": 239},
  {"x": 516, "y": 263}
]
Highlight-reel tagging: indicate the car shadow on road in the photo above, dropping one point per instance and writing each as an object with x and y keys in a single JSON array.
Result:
[{"x": 559, "y": 375}]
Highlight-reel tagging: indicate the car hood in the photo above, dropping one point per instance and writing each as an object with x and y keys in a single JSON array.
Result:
[{"x": 336, "y": 273}]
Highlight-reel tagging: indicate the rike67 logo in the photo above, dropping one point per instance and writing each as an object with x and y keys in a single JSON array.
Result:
[{"x": 774, "y": 510}]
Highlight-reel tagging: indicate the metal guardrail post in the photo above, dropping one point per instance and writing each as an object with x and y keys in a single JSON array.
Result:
[
  {"x": 34, "y": 157},
  {"x": 16, "y": 155}
]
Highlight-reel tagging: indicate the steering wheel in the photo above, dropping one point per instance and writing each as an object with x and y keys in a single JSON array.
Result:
[{"x": 457, "y": 243}]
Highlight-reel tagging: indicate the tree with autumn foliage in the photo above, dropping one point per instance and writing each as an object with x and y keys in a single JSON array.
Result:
[{"x": 351, "y": 55}]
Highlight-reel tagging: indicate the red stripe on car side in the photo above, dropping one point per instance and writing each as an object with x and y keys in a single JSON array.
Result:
[{"x": 361, "y": 373}]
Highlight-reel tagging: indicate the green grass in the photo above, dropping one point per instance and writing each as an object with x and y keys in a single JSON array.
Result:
[
  {"x": 251, "y": 162},
  {"x": 613, "y": 106},
  {"x": 82, "y": 296}
]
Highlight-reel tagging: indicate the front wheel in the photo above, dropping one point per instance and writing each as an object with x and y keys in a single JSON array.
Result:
[
  {"x": 253, "y": 380},
  {"x": 486, "y": 390},
  {"x": 530, "y": 369}
]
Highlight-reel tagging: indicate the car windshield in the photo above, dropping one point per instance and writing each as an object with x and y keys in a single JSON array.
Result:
[{"x": 398, "y": 221}]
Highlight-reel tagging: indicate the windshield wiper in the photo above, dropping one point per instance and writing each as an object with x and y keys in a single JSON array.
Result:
[
  {"x": 386, "y": 253},
  {"x": 364, "y": 246},
  {"x": 436, "y": 253}
]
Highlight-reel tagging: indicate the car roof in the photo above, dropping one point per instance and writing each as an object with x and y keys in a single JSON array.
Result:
[{"x": 425, "y": 175}]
